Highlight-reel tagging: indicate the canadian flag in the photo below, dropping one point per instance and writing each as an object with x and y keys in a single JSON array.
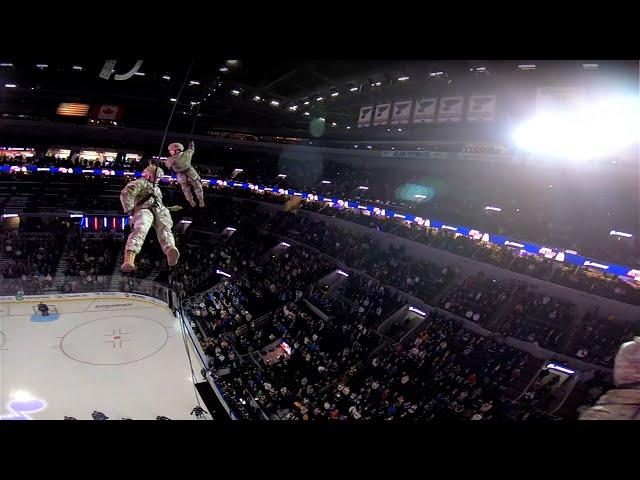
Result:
[{"x": 109, "y": 112}]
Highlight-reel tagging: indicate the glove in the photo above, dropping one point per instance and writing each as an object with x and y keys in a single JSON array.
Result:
[{"x": 175, "y": 208}]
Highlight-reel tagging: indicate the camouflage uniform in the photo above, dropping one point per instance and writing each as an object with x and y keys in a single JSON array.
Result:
[
  {"x": 623, "y": 402},
  {"x": 143, "y": 199},
  {"x": 187, "y": 175}
]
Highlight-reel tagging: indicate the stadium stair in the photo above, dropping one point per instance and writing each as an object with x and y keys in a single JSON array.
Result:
[
  {"x": 59, "y": 278},
  {"x": 496, "y": 321},
  {"x": 116, "y": 276}
]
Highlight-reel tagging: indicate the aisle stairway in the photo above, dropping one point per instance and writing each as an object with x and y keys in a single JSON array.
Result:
[
  {"x": 59, "y": 277},
  {"x": 116, "y": 276}
]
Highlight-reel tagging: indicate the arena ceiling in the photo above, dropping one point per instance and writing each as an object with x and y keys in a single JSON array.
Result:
[{"x": 259, "y": 95}]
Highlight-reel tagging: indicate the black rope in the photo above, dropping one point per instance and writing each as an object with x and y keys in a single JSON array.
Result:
[{"x": 166, "y": 130}]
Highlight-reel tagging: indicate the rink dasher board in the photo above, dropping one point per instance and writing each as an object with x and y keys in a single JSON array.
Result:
[{"x": 100, "y": 302}]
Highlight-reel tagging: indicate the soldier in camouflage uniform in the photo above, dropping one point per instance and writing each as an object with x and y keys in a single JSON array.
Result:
[
  {"x": 623, "y": 402},
  {"x": 180, "y": 162},
  {"x": 142, "y": 200}
]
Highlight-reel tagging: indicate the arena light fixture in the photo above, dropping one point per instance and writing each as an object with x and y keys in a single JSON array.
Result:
[
  {"x": 232, "y": 62},
  {"x": 293, "y": 108},
  {"x": 10, "y": 85},
  {"x": 420, "y": 196},
  {"x": 166, "y": 77},
  {"x": 306, "y": 103},
  {"x": 224, "y": 274},
  {"x": 282, "y": 175},
  {"x": 10, "y": 215},
  {"x": 6, "y": 64},
  {"x": 527, "y": 67},
  {"x": 403, "y": 79},
  {"x": 335, "y": 94},
  {"x": 353, "y": 89},
  {"x": 306, "y": 114},
  {"x": 340, "y": 272},
  {"x": 139, "y": 74},
  {"x": 560, "y": 368},
  {"x": 325, "y": 181},
  {"x": 377, "y": 84},
  {"x": 256, "y": 98},
  {"x": 274, "y": 103},
  {"x": 495, "y": 209},
  {"x": 235, "y": 93},
  {"x": 418, "y": 311},
  {"x": 319, "y": 99},
  {"x": 194, "y": 82},
  {"x": 362, "y": 187},
  {"x": 348, "y": 128},
  {"x": 172, "y": 99},
  {"x": 77, "y": 68},
  {"x": 620, "y": 234},
  {"x": 334, "y": 124},
  {"x": 42, "y": 66},
  {"x": 285, "y": 244},
  {"x": 223, "y": 69},
  {"x": 590, "y": 66}
]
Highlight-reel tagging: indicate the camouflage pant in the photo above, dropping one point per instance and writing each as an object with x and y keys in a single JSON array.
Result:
[
  {"x": 190, "y": 178},
  {"x": 143, "y": 218}
]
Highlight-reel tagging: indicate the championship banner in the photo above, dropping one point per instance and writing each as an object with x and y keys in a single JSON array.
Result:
[
  {"x": 381, "y": 116},
  {"x": 568, "y": 99},
  {"x": 425, "y": 111},
  {"x": 401, "y": 112},
  {"x": 482, "y": 108},
  {"x": 364, "y": 120},
  {"x": 450, "y": 109}
]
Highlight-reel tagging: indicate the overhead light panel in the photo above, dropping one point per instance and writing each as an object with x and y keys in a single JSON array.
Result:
[
  {"x": 335, "y": 94},
  {"x": 42, "y": 66},
  {"x": 353, "y": 89},
  {"x": 223, "y": 69},
  {"x": 194, "y": 82},
  {"x": 527, "y": 67},
  {"x": 403, "y": 79},
  {"x": 172, "y": 99},
  {"x": 256, "y": 98},
  {"x": 319, "y": 99},
  {"x": 166, "y": 77},
  {"x": 306, "y": 114},
  {"x": 77, "y": 67},
  {"x": 10, "y": 85},
  {"x": 306, "y": 103},
  {"x": 232, "y": 62},
  {"x": 140, "y": 74},
  {"x": 6, "y": 64},
  {"x": 333, "y": 124},
  {"x": 275, "y": 103},
  {"x": 235, "y": 92},
  {"x": 293, "y": 108}
]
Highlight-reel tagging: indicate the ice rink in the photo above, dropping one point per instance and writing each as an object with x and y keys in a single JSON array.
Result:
[{"x": 121, "y": 356}]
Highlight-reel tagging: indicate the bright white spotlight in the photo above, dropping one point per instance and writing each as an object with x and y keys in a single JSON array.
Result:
[{"x": 601, "y": 128}]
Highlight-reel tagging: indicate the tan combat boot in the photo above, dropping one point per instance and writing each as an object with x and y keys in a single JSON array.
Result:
[
  {"x": 172, "y": 256},
  {"x": 129, "y": 262}
]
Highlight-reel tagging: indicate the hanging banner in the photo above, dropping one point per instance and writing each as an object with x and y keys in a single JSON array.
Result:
[
  {"x": 364, "y": 120},
  {"x": 450, "y": 109},
  {"x": 382, "y": 114},
  {"x": 401, "y": 112},
  {"x": 425, "y": 111},
  {"x": 482, "y": 108}
]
